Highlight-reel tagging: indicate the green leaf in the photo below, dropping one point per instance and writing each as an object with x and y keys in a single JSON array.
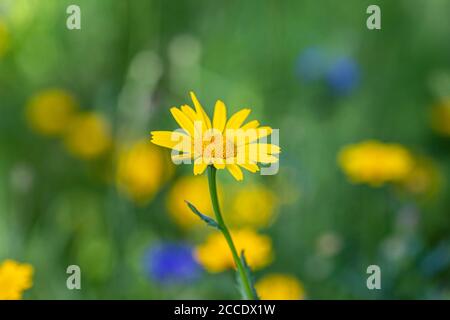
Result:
[
  {"x": 209, "y": 221},
  {"x": 241, "y": 288},
  {"x": 248, "y": 273}
]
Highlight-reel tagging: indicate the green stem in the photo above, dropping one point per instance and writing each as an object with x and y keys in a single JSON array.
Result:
[{"x": 215, "y": 203}]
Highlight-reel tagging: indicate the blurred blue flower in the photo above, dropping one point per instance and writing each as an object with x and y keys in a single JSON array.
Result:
[
  {"x": 171, "y": 262},
  {"x": 343, "y": 76},
  {"x": 311, "y": 64},
  {"x": 437, "y": 260}
]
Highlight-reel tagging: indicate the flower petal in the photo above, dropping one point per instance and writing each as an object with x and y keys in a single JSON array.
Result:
[
  {"x": 250, "y": 135},
  {"x": 219, "y": 164},
  {"x": 267, "y": 158},
  {"x": 237, "y": 119},
  {"x": 257, "y": 152},
  {"x": 183, "y": 120},
  {"x": 220, "y": 116},
  {"x": 197, "y": 119},
  {"x": 200, "y": 110},
  {"x": 268, "y": 148},
  {"x": 199, "y": 166},
  {"x": 187, "y": 110},
  {"x": 172, "y": 140},
  {"x": 235, "y": 171},
  {"x": 251, "y": 125},
  {"x": 252, "y": 167}
]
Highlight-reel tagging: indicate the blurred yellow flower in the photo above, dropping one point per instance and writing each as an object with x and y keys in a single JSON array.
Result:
[
  {"x": 215, "y": 255},
  {"x": 375, "y": 163},
  {"x": 225, "y": 143},
  {"x": 423, "y": 179},
  {"x": 14, "y": 279},
  {"x": 279, "y": 287},
  {"x": 88, "y": 135},
  {"x": 4, "y": 38},
  {"x": 253, "y": 206},
  {"x": 49, "y": 112},
  {"x": 440, "y": 117},
  {"x": 141, "y": 170},
  {"x": 195, "y": 190}
]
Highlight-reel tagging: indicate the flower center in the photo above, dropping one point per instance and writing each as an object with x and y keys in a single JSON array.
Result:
[{"x": 218, "y": 147}]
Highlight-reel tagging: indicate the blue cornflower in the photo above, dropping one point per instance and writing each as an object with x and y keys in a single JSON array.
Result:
[
  {"x": 171, "y": 262},
  {"x": 343, "y": 76}
]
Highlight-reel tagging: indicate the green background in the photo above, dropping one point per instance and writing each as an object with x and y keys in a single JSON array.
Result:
[{"x": 244, "y": 53}]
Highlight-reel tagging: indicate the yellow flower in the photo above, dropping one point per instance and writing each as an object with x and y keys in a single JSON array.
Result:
[
  {"x": 194, "y": 190},
  {"x": 423, "y": 179},
  {"x": 253, "y": 206},
  {"x": 280, "y": 287},
  {"x": 141, "y": 170},
  {"x": 4, "y": 38},
  {"x": 375, "y": 163},
  {"x": 14, "y": 279},
  {"x": 440, "y": 117},
  {"x": 215, "y": 255},
  {"x": 49, "y": 112},
  {"x": 88, "y": 136},
  {"x": 229, "y": 144}
]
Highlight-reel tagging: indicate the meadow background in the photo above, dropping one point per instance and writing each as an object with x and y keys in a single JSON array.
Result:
[{"x": 82, "y": 185}]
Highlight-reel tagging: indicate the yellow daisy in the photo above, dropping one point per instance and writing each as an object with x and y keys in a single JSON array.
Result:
[
  {"x": 375, "y": 162},
  {"x": 253, "y": 206},
  {"x": 214, "y": 255},
  {"x": 225, "y": 143},
  {"x": 142, "y": 169},
  {"x": 14, "y": 279},
  {"x": 196, "y": 190},
  {"x": 277, "y": 286},
  {"x": 50, "y": 111},
  {"x": 88, "y": 135}
]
